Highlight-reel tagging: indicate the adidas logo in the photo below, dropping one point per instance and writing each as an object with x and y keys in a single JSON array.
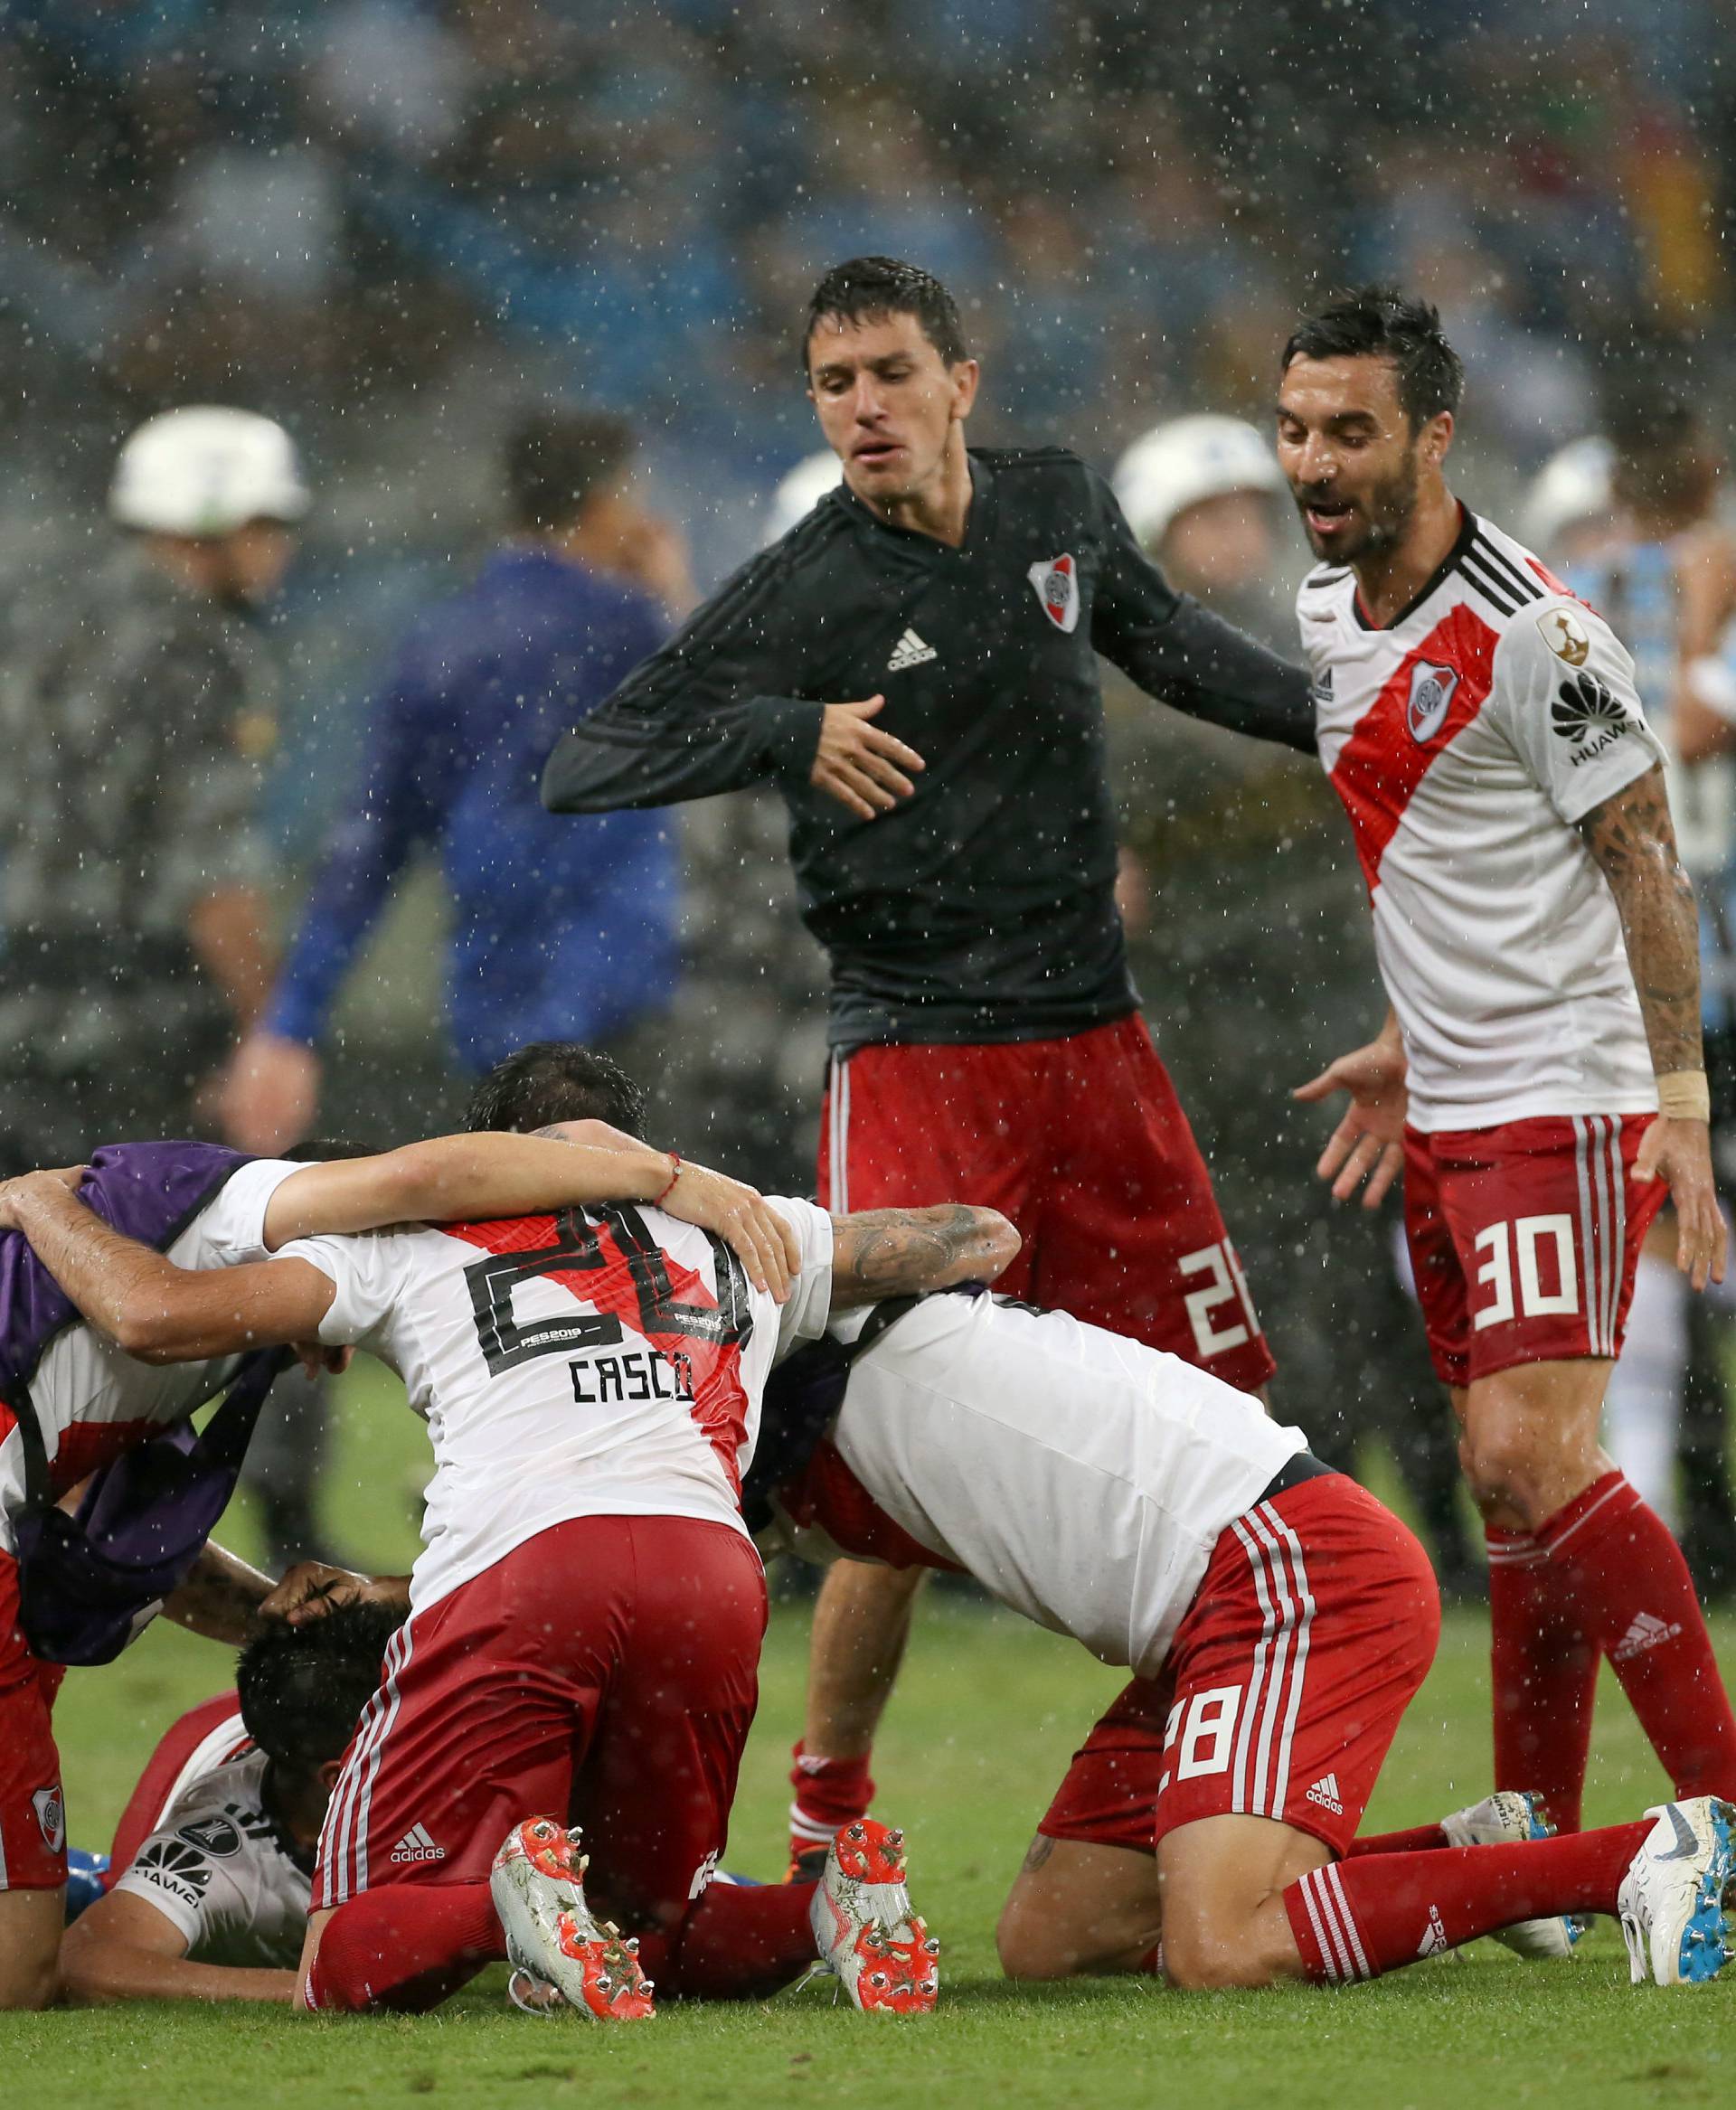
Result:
[
  {"x": 1434, "y": 1942},
  {"x": 910, "y": 651},
  {"x": 1645, "y": 1633},
  {"x": 1324, "y": 1791},
  {"x": 416, "y": 1845}
]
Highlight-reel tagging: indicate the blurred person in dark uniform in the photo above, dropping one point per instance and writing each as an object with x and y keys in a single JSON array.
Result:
[
  {"x": 134, "y": 877},
  {"x": 559, "y": 932},
  {"x": 1662, "y": 572},
  {"x": 1243, "y": 908}
]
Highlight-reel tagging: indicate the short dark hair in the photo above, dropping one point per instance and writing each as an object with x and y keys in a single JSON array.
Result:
[
  {"x": 302, "y": 1688},
  {"x": 555, "y": 1080},
  {"x": 1379, "y": 322},
  {"x": 867, "y": 289},
  {"x": 557, "y": 461}
]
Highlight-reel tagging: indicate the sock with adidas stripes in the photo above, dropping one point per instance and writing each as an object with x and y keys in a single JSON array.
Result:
[
  {"x": 1607, "y": 1569},
  {"x": 404, "y": 1947},
  {"x": 830, "y": 1793},
  {"x": 1544, "y": 1675},
  {"x": 1358, "y": 1919}
]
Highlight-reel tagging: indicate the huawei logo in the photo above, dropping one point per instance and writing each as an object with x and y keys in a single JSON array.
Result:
[{"x": 1586, "y": 712}]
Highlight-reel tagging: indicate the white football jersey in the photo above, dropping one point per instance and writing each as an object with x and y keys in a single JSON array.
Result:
[
  {"x": 1466, "y": 740},
  {"x": 604, "y": 1362},
  {"x": 92, "y": 1400},
  {"x": 1081, "y": 1477},
  {"x": 217, "y": 1865}
]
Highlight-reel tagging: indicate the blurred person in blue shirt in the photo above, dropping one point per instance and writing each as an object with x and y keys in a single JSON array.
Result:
[{"x": 559, "y": 932}]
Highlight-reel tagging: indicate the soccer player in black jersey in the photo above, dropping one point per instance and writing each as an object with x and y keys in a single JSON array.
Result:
[{"x": 955, "y": 845}]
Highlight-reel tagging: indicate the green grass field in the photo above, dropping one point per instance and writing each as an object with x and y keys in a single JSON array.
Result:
[{"x": 985, "y": 1720}]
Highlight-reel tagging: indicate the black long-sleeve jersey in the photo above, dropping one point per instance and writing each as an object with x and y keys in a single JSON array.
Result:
[{"x": 981, "y": 908}]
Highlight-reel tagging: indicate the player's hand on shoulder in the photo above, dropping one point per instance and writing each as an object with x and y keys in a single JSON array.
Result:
[
  {"x": 1368, "y": 1144},
  {"x": 754, "y": 1231},
  {"x": 1679, "y": 1152},
  {"x": 859, "y": 763},
  {"x": 313, "y": 1589}
]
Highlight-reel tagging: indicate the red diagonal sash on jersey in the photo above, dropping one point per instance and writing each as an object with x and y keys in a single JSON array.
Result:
[
  {"x": 1381, "y": 765},
  {"x": 719, "y": 1401}
]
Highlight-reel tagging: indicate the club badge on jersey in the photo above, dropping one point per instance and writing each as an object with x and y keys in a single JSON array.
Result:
[
  {"x": 1432, "y": 688},
  {"x": 1056, "y": 584}
]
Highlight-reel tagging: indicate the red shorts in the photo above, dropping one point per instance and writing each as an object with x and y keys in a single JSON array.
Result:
[
  {"x": 1525, "y": 1238},
  {"x": 1083, "y": 1144},
  {"x": 1313, "y": 1630},
  {"x": 604, "y": 1673},
  {"x": 32, "y": 1809}
]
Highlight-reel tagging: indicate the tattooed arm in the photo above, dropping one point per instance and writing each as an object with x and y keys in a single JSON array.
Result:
[
  {"x": 1633, "y": 842},
  {"x": 221, "y": 1597},
  {"x": 891, "y": 1252}
]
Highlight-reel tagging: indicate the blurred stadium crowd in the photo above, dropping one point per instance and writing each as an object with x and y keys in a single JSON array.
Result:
[{"x": 394, "y": 224}]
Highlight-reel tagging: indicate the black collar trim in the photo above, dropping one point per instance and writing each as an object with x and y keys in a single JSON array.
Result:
[{"x": 1462, "y": 542}]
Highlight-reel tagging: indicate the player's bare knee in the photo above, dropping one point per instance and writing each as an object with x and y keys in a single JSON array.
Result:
[
  {"x": 28, "y": 1982},
  {"x": 1195, "y": 1961}
]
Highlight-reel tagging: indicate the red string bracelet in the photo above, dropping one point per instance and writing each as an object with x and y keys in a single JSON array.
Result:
[{"x": 675, "y": 1158}]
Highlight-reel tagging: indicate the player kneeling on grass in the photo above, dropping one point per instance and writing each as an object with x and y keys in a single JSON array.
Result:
[
  {"x": 1277, "y": 1619},
  {"x": 209, "y": 1876},
  {"x": 586, "y": 1618}
]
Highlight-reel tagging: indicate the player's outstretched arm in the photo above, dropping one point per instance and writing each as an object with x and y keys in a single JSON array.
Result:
[
  {"x": 479, "y": 1178},
  {"x": 1633, "y": 838},
  {"x": 221, "y": 1597},
  {"x": 898, "y": 1252},
  {"x": 146, "y": 1304},
  {"x": 124, "y": 1948}
]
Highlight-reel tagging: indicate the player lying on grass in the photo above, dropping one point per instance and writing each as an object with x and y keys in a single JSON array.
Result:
[
  {"x": 72, "y": 1401},
  {"x": 1277, "y": 1620},
  {"x": 587, "y": 1615},
  {"x": 209, "y": 1874}
]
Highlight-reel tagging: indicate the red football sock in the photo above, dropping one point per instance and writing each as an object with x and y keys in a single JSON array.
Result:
[
  {"x": 1357, "y": 1918},
  {"x": 738, "y": 1942},
  {"x": 1423, "y": 1839},
  {"x": 404, "y": 1947},
  {"x": 1544, "y": 1675},
  {"x": 830, "y": 1793},
  {"x": 1613, "y": 1560}
]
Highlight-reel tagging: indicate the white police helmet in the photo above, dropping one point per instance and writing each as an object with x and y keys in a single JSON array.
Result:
[
  {"x": 1178, "y": 464},
  {"x": 206, "y": 471},
  {"x": 1574, "y": 486},
  {"x": 801, "y": 491}
]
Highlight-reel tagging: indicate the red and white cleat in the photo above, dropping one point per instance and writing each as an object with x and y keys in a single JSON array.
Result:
[
  {"x": 862, "y": 1918},
  {"x": 552, "y": 1941}
]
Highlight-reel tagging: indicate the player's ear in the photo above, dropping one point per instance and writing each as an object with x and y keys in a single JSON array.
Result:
[
  {"x": 965, "y": 374},
  {"x": 1438, "y": 439}
]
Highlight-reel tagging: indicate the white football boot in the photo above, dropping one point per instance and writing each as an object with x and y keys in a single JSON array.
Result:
[
  {"x": 866, "y": 1931},
  {"x": 1672, "y": 1898},
  {"x": 1503, "y": 1819},
  {"x": 558, "y": 1951}
]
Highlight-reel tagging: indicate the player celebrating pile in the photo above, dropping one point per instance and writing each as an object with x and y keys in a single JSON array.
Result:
[
  {"x": 954, "y": 839},
  {"x": 1537, "y": 938}
]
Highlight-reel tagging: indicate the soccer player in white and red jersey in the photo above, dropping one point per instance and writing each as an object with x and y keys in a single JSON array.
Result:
[
  {"x": 1277, "y": 1621},
  {"x": 585, "y": 1620},
  {"x": 1540, "y": 1078}
]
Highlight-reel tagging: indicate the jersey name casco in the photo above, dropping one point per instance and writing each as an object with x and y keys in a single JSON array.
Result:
[
  {"x": 1466, "y": 739},
  {"x": 603, "y": 1362}
]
